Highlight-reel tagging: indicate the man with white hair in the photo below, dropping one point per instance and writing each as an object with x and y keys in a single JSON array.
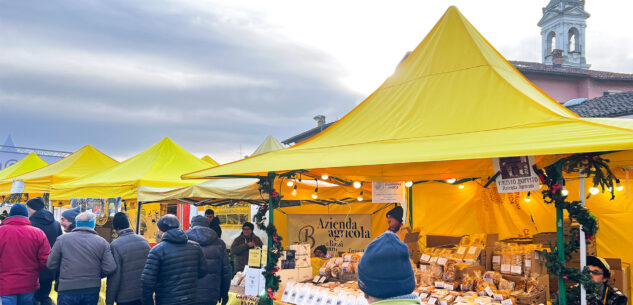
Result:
[{"x": 83, "y": 259}]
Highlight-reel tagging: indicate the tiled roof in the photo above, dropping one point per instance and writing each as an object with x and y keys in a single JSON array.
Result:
[
  {"x": 608, "y": 106},
  {"x": 306, "y": 134},
  {"x": 534, "y": 67}
]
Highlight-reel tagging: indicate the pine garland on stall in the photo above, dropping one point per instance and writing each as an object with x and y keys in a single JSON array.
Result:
[
  {"x": 593, "y": 166},
  {"x": 274, "y": 250}
]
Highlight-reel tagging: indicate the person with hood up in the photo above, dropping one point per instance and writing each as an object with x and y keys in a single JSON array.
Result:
[
  {"x": 385, "y": 273},
  {"x": 23, "y": 253},
  {"x": 246, "y": 241},
  {"x": 215, "y": 285},
  {"x": 44, "y": 220},
  {"x": 130, "y": 254},
  {"x": 173, "y": 267},
  {"x": 83, "y": 259},
  {"x": 68, "y": 219},
  {"x": 214, "y": 222}
]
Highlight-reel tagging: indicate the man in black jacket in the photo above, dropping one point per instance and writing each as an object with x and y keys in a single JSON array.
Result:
[
  {"x": 214, "y": 222},
  {"x": 215, "y": 285},
  {"x": 178, "y": 261},
  {"x": 45, "y": 221},
  {"x": 130, "y": 254}
]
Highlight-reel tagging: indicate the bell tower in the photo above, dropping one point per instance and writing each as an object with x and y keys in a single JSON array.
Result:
[{"x": 563, "y": 28}]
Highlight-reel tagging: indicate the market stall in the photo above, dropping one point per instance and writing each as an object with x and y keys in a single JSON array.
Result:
[
  {"x": 159, "y": 166},
  {"x": 452, "y": 107},
  {"x": 27, "y": 164}
]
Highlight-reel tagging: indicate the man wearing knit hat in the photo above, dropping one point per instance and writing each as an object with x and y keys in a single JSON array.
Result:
[
  {"x": 240, "y": 246},
  {"x": 68, "y": 219},
  {"x": 83, "y": 258},
  {"x": 173, "y": 267},
  {"x": 44, "y": 220},
  {"x": 605, "y": 293},
  {"x": 395, "y": 222},
  {"x": 130, "y": 254},
  {"x": 23, "y": 253},
  {"x": 385, "y": 273}
]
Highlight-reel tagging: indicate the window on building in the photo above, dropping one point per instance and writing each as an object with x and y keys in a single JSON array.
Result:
[
  {"x": 573, "y": 42},
  {"x": 551, "y": 42}
]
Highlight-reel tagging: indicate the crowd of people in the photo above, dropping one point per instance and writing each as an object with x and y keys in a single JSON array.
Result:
[{"x": 185, "y": 267}]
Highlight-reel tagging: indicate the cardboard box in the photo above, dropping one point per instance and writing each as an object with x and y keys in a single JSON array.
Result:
[
  {"x": 304, "y": 274},
  {"x": 541, "y": 297},
  {"x": 442, "y": 240},
  {"x": 411, "y": 240},
  {"x": 620, "y": 274},
  {"x": 288, "y": 275}
]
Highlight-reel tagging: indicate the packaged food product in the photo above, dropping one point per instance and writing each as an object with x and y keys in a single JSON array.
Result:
[
  {"x": 521, "y": 284},
  {"x": 496, "y": 256},
  {"x": 506, "y": 261},
  {"x": 486, "y": 288},
  {"x": 506, "y": 285},
  {"x": 450, "y": 271},
  {"x": 531, "y": 286},
  {"x": 467, "y": 283}
]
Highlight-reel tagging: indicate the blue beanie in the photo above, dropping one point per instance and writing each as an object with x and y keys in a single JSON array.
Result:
[
  {"x": 71, "y": 214},
  {"x": 19, "y": 210},
  {"x": 385, "y": 270}
]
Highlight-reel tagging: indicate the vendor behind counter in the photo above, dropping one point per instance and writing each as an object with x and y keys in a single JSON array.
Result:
[{"x": 319, "y": 259}]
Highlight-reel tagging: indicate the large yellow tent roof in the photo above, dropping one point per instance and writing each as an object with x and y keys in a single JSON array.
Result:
[
  {"x": 29, "y": 163},
  {"x": 85, "y": 161},
  {"x": 454, "y": 98},
  {"x": 161, "y": 165}
]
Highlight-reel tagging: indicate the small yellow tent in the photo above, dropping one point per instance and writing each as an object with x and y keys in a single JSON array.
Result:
[
  {"x": 269, "y": 144},
  {"x": 210, "y": 160},
  {"x": 85, "y": 161},
  {"x": 161, "y": 165},
  {"x": 29, "y": 163}
]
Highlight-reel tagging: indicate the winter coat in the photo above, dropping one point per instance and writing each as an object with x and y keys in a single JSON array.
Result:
[
  {"x": 45, "y": 221},
  {"x": 215, "y": 225},
  {"x": 82, "y": 258},
  {"x": 240, "y": 248},
  {"x": 614, "y": 296},
  {"x": 23, "y": 253},
  {"x": 172, "y": 270},
  {"x": 217, "y": 282},
  {"x": 130, "y": 254}
]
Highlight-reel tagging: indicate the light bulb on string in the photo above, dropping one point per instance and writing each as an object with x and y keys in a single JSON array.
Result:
[
  {"x": 408, "y": 184},
  {"x": 461, "y": 186},
  {"x": 594, "y": 190},
  {"x": 290, "y": 183},
  {"x": 360, "y": 197},
  {"x": 316, "y": 190},
  {"x": 357, "y": 184},
  {"x": 609, "y": 189},
  {"x": 324, "y": 177},
  {"x": 294, "y": 190},
  {"x": 564, "y": 192},
  {"x": 618, "y": 186},
  {"x": 451, "y": 180},
  {"x": 527, "y": 198},
  {"x": 315, "y": 196}
]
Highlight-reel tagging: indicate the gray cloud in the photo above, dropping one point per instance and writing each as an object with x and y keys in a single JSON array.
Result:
[{"x": 121, "y": 75}]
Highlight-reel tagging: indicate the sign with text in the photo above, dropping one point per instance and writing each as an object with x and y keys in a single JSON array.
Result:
[
  {"x": 339, "y": 233},
  {"x": 387, "y": 192},
  {"x": 516, "y": 174},
  {"x": 232, "y": 216}
]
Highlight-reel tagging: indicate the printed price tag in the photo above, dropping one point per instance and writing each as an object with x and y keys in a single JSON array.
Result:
[
  {"x": 506, "y": 302},
  {"x": 433, "y": 260},
  {"x": 439, "y": 284},
  {"x": 516, "y": 270},
  {"x": 432, "y": 301},
  {"x": 489, "y": 291},
  {"x": 461, "y": 250},
  {"x": 442, "y": 261},
  {"x": 425, "y": 257},
  {"x": 472, "y": 250},
  {"x": 449, "y": 287},
  {"x": 424, "y": 295},
  {"x": 528, "y": 263},
  {"x": 498, "y": 298},
  {"x": 496, "y": 259},
  {"x": 505, "y": 268}
]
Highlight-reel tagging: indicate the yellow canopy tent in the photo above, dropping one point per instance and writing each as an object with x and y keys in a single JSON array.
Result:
[
  {"x": 454, "y": 98},
  {"x": 453, "y": 104},
  {"x": 161, "y": 165},
  {"x": 210, "y": 160},
  {"x": 85, "y": 161},
  {"x": 29, "y": 163},
  {"x": 269, "y": 144}
]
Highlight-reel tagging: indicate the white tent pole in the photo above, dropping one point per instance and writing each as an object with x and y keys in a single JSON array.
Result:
[{"x": 583, "y": 243}]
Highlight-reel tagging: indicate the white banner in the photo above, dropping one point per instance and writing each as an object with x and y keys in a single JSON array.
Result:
[
  {"x": 387, "y": 192},
  {"x": 517, "y": 174},
  {"x": 338, "y": 232}
]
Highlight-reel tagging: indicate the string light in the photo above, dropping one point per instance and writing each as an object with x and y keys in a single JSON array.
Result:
[
  {"x": 564, "y": 192},
  {"x": 316, "y": 190},
  {"x": 618, "y": 186},
  {"x": 315, "y": 196},
  {"x": 290, "y": 183},
  {"x": 357, "y": 184},
  {"x": 461, "y": 186},
  {"x": 451, "y": 180},
  {"x": 609, "y": 189},
  {"x": 360, "y": 197},
  {"x": 408, "y": 184},
  {"x": 527, "y": 198},
  {"x": 594, "y": 190},
  {"x": 325, "y": 177},
  {"x": 294, "y": 191}
]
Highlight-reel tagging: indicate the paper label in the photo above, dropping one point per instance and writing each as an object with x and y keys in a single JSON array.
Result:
[
  {"x": 264, "y": 260},
  {"x": 442, "y": 261},
  {"x": 432, "y": 301},
  {"x": 423, "y": 267},
  {"x": 286, "y": 295},
  {"x": 528, "y": 263},
  {"x": 449, "y": 287},
  {"x": 442, "y": 302},
  {"x": 506, "y": 302},
  {"x": 516, "y": 269},
  {"x": 496, "y": 259},
  {"x": 318, "y": 300},
  {"x": 536, "y": 255},
  {"x": 425, "y": 258},
  {"x": 498, "y": 297},
  {"x": 472, "y": 250},
  {"x": 489, "y": 291},
  {"x": 255, "y": 258},
  {"x": 424, "y": 295},
  {"x": 461, "y": 250},
  {"x": 433, "y": 260},
  {"x": 439, "y": 284},
  {"x": 505, "y": 268}
]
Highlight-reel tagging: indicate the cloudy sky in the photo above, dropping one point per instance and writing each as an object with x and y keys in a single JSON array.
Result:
[{"x": 217, "y": 75}]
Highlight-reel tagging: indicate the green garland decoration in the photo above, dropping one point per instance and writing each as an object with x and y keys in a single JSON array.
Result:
[
  {"x": 275, "y": 250},
  {"x": 595, "y": 167}
]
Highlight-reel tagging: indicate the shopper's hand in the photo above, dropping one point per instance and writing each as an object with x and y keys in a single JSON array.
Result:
[{"x": 251, "y": 244}]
